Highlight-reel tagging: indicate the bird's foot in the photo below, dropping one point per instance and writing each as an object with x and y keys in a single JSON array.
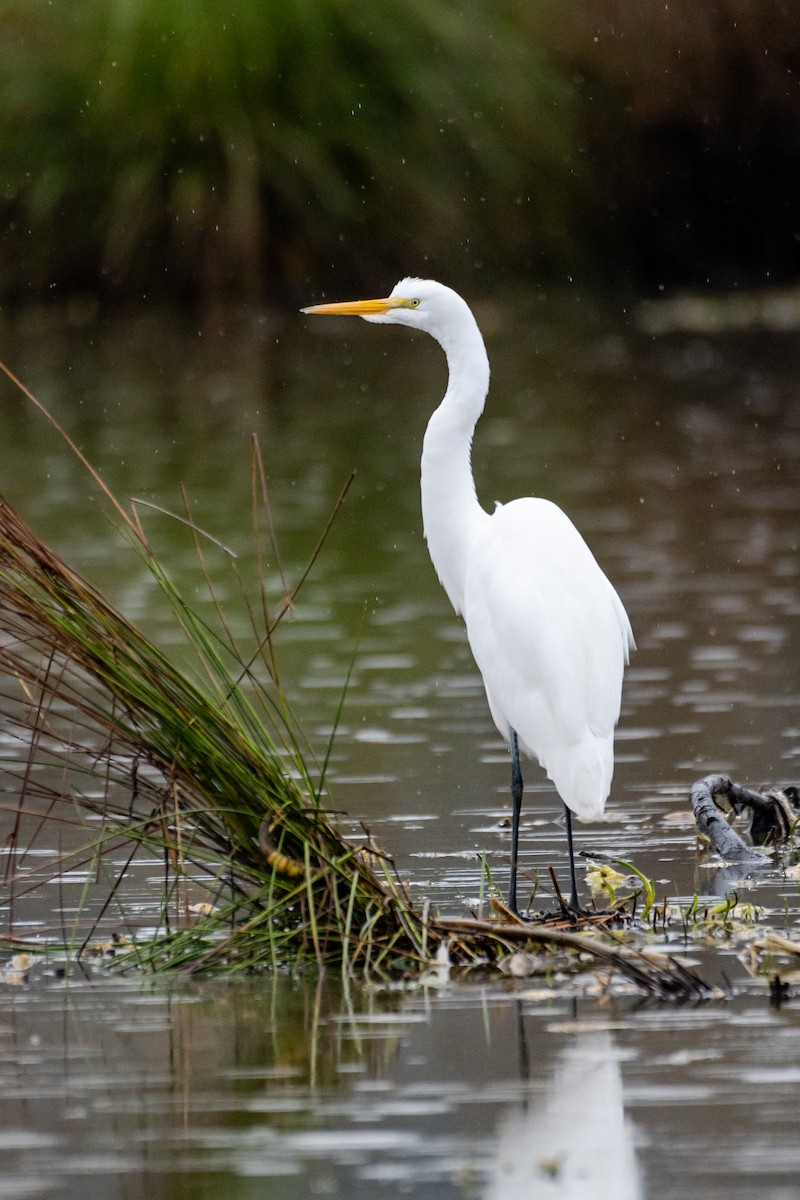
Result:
[{"x": 574, "y": 910}]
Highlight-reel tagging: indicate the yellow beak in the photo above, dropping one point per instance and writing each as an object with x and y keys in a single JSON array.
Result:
[{"x": 355, "y": 308}]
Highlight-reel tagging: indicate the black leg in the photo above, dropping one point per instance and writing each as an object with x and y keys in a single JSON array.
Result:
[
  {"x": 574, "y": 901},
  {"x": 516, "y": 809}
]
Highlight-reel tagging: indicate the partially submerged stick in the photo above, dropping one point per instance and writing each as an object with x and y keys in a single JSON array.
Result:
[
  {"x": 772, "y": 816},
  {"x": 656, "y": 974}
]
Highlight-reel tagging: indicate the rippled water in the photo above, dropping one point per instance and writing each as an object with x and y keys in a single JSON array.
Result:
[
  {"x": 273, "y": 1089},
  {"x": 678, "y": 459}
]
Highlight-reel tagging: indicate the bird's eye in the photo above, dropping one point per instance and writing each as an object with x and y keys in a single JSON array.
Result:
[{"x": 413, "y": 304}]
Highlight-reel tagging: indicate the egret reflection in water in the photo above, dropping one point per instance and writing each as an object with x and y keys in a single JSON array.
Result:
[{"x": 575, "y": 1142}]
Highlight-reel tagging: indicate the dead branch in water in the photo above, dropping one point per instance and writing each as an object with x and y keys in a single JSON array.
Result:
[
  {"x": 658, "y": 975},
  {"x": 773, "y": 815}
]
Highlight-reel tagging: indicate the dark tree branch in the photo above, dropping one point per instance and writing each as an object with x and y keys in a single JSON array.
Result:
[{"x": 772, "y": 816}]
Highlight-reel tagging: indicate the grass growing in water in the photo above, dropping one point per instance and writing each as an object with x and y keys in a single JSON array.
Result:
[
  {"x": 214, "y": 777},
  {"x": 211, "y": 771}
]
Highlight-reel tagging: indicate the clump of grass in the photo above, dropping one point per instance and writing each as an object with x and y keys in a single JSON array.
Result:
[
  {"x": 209, "y": 771},
  {"x": 220, "y": 793}
]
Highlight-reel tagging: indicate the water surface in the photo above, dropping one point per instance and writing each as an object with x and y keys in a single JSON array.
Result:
[{"x": 677, "y": 457}]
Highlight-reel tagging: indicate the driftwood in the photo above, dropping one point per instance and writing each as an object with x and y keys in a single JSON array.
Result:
[
  {"x": 772, "y": 816},
  {"x": 661, "y": 976}
]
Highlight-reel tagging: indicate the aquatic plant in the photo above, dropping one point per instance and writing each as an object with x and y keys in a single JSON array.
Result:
[
  {"x": 208, "y": 767},
  {"x": 214, "y": 776}
]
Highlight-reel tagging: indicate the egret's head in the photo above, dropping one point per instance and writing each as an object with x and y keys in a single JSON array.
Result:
[{"x": 418, "y": 303}]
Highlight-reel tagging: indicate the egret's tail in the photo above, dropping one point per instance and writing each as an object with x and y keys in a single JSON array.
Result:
[{"x": 582, "y": 776}]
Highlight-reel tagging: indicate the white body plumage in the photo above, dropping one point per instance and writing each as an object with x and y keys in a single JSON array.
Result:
[{"x": 551, "y": 638}]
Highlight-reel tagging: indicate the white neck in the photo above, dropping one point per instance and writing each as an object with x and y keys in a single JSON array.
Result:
[{"x": 451, "y": 513}]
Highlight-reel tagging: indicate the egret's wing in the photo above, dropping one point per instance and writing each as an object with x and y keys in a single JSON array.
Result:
[{"x": 551, "y": 639}]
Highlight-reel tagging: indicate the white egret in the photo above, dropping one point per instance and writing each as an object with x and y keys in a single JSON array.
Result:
[{"x": 547, "y": 630}]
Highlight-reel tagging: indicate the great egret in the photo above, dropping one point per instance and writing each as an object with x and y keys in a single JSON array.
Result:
[{"x": 547, "y": 630}]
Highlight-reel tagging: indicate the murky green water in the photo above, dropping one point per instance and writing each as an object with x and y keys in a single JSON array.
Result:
[{"x": 678, "y": 459}]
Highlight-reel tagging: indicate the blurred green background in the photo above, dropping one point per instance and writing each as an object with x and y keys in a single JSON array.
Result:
[{"x": 271, "y": 150}]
